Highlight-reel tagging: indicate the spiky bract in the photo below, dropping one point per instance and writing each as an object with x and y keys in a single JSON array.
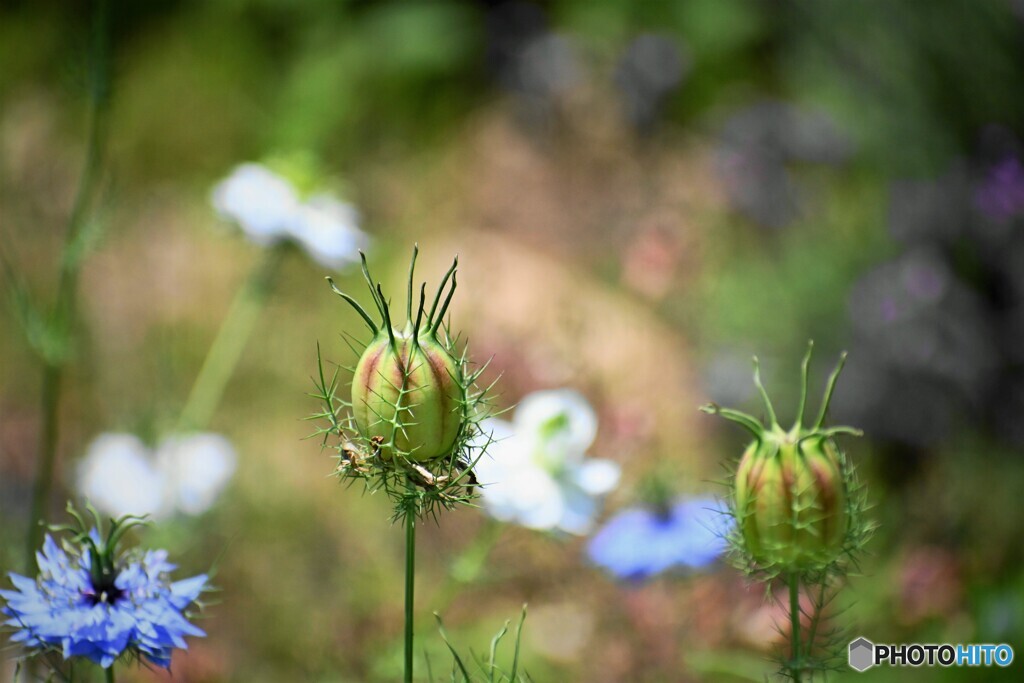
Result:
[
  {"x": 794, "y": 495},
  {"x": 412, "y": 423}
]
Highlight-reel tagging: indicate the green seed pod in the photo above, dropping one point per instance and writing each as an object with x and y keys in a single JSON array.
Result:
[
  {"x": 791, "y": 496},
  {"x": 791, "y": 503},
  {"x": 409, "y": 393}
]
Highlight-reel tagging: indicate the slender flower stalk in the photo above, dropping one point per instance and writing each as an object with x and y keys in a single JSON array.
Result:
[
  {"x": 63, "y": 313},
  {"x": 410, "y": 591},
  {"x": 795, "y": 665},
  {"x": 230, "y": 342},
  {"x": 412, "y": 427}
]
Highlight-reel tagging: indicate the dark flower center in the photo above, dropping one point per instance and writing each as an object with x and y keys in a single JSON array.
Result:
[
  {"x": 104, "y": 590},
  {"x": 663, "y": 513}
]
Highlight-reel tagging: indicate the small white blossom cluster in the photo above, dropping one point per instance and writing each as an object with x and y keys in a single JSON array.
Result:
[
  {"x": 269, "y": 209},
  {"x": 120, "y": 475},
  {"x": 535, "y": 472}
]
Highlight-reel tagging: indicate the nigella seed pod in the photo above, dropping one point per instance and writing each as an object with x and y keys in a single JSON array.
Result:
[
  {"x": 791, "y": 502},
  {"x": 409, "y": 393},
  {"x": 791, "y": 492}
]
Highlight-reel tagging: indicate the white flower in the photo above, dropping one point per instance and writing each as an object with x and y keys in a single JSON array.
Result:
[
  {"x": 561, "y": 422},
  {"x": 195, "y": 469},
  {"x": 117, "y": 476},
  {"x": 534, "y": 472},
  {"x": 329, "y": 231},
  {"x": 262, "y": 203},
  {"x": 120, "y": 475},
  {"x": 268, "y": 209}
]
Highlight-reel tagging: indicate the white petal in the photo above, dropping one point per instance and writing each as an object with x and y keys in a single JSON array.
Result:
[
  {"x": 197, "y": 468},
  {"x": 560, "y": 421},
  {"x": 579, "y": 511},
  {"x": 504, "y": 448},
  {"x": 597, "y": 477},
  {"x": 262, "y": 203},
  {"x": 328, "y": 230},
  {"x": 523, "y": 494},
  {"x": 538, "y": 499},
  {"x": 118, "y": 477},
  {"x": 493, "y": 429}
]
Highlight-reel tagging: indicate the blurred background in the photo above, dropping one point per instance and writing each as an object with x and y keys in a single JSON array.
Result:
[{"x": 642, "y": 195}]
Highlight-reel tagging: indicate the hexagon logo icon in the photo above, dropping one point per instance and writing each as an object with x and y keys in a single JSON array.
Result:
[{"x": 862, "y": 654}]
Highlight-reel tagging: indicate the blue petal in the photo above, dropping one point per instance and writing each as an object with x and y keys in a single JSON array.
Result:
[
  {"x": 638, "y": 543},
  {"x": 185, "y": 592}
]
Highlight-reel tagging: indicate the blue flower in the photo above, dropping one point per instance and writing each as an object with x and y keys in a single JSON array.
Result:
[
  {"x": 641, "y": 542},
  {"x": 102, "y": 609}
]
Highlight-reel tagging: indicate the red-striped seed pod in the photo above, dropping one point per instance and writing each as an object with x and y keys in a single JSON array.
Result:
[
  {"x": 409, "y": 394},
  {"x": 790, "y": 493}
]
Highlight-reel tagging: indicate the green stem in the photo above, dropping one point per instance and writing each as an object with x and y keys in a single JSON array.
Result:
[
  {"x": 410, "y": 584},
  {"x": 795, "y": 667},
  {"x": 812, "y": 631},
  {"x": 50, "y": 399},
  {"x": 67, "y": 281},
  {"x": 109, "y": 674},
  {"x": 230, "y": 342}
]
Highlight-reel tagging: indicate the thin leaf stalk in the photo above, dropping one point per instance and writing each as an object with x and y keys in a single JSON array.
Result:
[
  {"x": 64, "y": 306},
  {"x": 230, "y": 342}
]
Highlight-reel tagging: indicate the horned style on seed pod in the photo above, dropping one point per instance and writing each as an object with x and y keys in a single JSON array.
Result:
[
  {"x": 794, "y": 497},
  {"x": 415, "y": 409}
]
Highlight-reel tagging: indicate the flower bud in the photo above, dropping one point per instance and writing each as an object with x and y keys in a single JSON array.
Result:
[{"x": 791, "y": 496}]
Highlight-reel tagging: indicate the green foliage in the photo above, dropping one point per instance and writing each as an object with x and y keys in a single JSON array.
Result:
[{"x": 475, "y": 668}]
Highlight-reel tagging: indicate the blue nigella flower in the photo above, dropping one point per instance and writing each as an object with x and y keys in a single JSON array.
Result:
[
  {"x": 87, "y": 603},
  {"x": 641, "y": 542}
]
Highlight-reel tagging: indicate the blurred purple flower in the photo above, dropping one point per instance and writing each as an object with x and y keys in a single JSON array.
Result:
[
  {"x": 641, "y": 542},
  {"x": 757, "y": 144},
  {"x": 651, "y": 67},
  {"x": 1001, "y": 194},
  {"x": 925, "y": 349},
  {"x": 787, "y": 133},
  {"x": 931, "y": 210}
]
